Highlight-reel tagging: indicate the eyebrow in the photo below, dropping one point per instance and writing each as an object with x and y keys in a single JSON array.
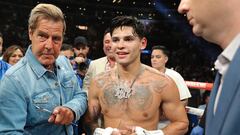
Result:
[
  {"x": 45, "y": 33},
  {"x": 126, "y": 36},
  {"x": 42, "y": 32}
]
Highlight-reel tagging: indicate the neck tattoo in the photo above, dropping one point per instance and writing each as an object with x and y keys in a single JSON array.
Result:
[{"x": 123, "y": 91}]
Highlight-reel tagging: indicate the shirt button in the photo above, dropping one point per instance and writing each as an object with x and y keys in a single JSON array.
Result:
[{"x": 56, "y": 84}]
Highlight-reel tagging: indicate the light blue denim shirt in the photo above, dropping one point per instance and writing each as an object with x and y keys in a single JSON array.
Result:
[{"x": 27, "y": 84}]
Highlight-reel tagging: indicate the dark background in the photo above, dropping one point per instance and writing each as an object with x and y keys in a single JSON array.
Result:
[{"x": 191, "y": 56}]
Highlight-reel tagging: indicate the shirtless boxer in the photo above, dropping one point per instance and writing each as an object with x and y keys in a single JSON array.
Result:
[{"x": 131, "y": 96}]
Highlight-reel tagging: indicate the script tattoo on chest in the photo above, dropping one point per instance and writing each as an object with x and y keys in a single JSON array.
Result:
[{"x": 140, "y": 99}]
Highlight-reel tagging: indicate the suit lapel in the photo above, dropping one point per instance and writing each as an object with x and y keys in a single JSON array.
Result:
[
  {"x": 101, "y": 65},
  {"x": 230, "y": 83},
  {"x": 211, "y": 102}
]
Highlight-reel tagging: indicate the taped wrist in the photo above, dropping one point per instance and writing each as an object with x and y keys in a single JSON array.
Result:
[
  {"x": 106, "y": 131},
  {"x": 141, "y": 131}
]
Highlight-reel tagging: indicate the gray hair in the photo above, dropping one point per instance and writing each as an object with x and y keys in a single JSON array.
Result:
[{"x": 45, "y": 11}]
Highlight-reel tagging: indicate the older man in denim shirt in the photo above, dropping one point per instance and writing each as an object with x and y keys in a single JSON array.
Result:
[{"x": 40, "y": 95}]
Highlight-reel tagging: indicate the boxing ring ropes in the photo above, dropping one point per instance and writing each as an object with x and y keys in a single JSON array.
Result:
[{"x": 197, "y": 85}]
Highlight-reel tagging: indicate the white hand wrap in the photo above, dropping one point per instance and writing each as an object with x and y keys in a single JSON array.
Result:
[
  {"x": 141, "y": 131},
  {"x": 106, "y": 131}
]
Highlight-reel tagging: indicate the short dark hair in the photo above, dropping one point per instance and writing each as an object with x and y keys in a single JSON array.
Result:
[
  {"x": 163, "y": 48},
  {"x": 130, "y": 21},
  {"x": 66, "y": 47},
  {"x": 1, "y": 35},
  {"x": 80, "y": 41},
  {"x": 107, "y": 30}
]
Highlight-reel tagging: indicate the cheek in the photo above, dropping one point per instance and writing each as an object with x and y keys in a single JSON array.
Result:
[
  {"x": 109, "y": 45},
  {"x": 76, "y": 51},
  {"x": 11, "y": 60},
  {"x": 156, "y": 60},
  {"x": 84, "y": 51},
  {"x": 162, "y": 61},
  {"x": 113, "y": 48},
  {"x": 57, "y": 49},
  {"x": 36, "y": 49}
]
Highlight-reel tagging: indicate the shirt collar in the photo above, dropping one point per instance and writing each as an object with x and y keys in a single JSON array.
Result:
[
  {"x": 232, "y": 48},
  {"x": 227, "y": 55},
  {"x": 36, "y": 66}
]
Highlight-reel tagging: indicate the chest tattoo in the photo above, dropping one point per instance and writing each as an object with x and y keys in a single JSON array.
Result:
[{"x": 140, "y": 98}]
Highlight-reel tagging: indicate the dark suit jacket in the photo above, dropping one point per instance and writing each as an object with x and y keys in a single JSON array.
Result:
[{"x": 226, "y": 120}]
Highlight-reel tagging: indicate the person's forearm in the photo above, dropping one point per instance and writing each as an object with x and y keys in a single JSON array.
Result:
[
  {"x": 176, "y": 128},
  {"x": 78, "y": 104},
  {"x": 91, "y": 121}
]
